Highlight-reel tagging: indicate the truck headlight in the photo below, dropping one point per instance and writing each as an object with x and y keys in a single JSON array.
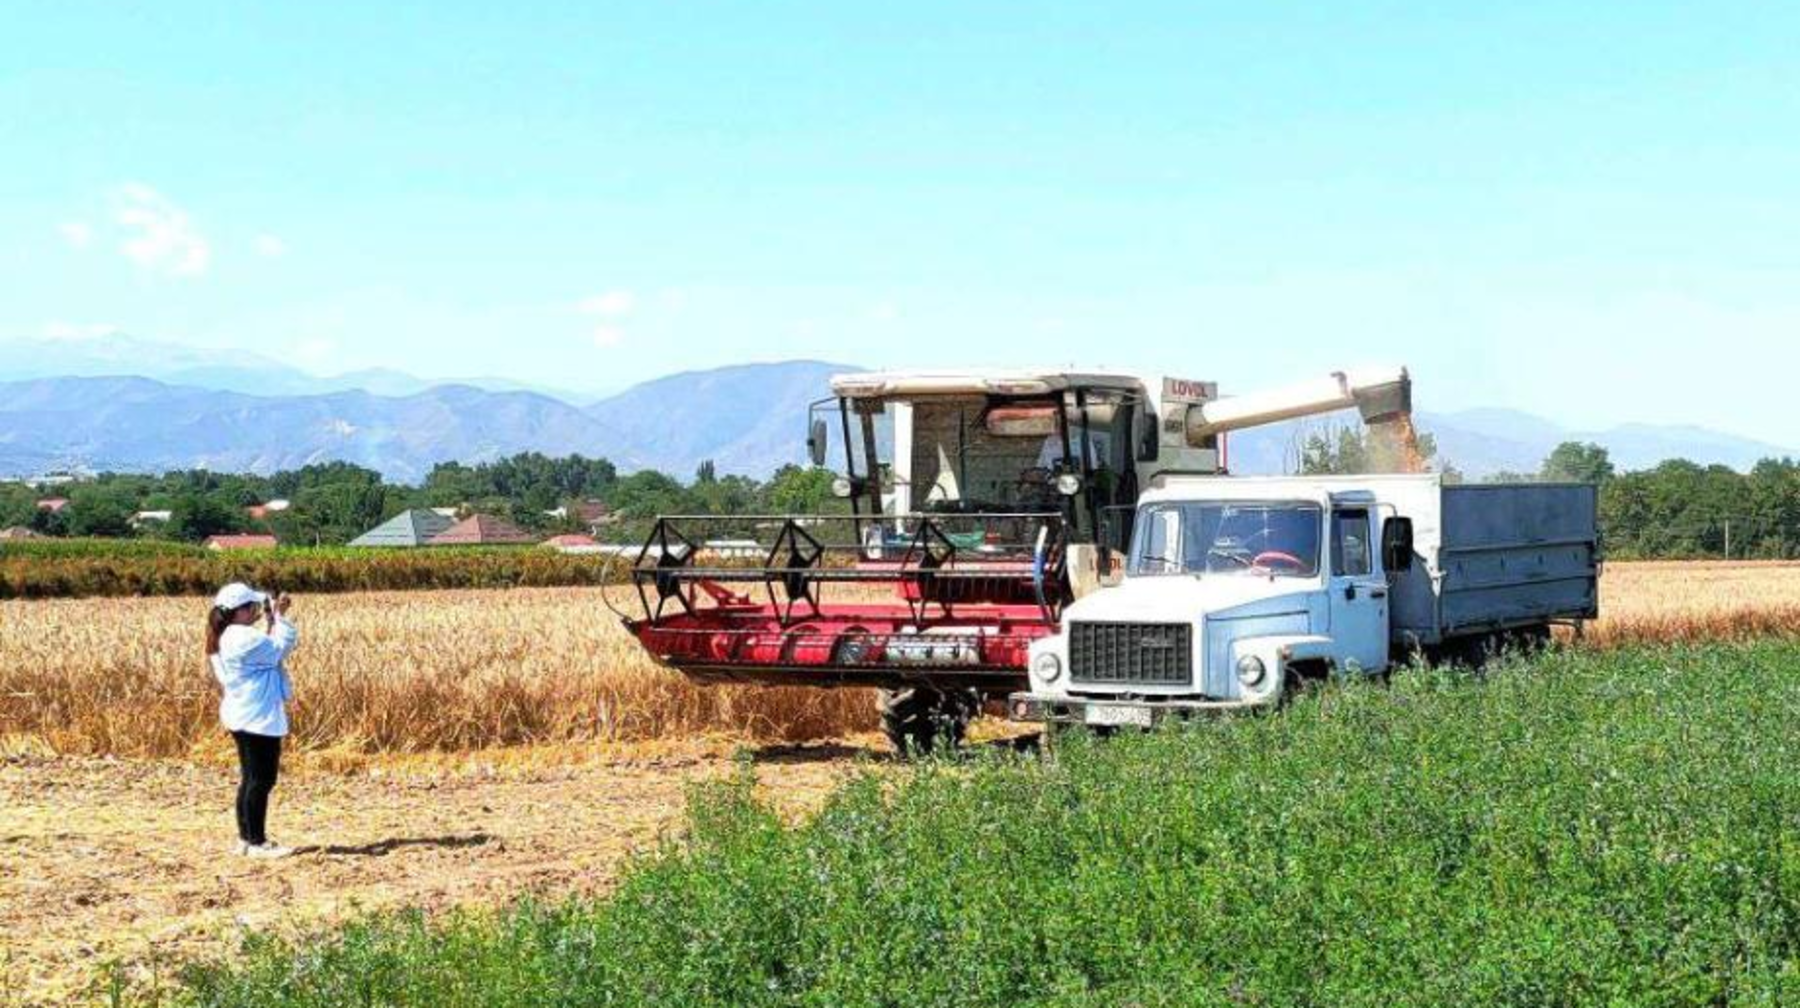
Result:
[
  {"x": 1251, "y": 671},
  {"x": 1047, "y": 667},
  {"x": 1068, "y": 484},
  {"x": 840, "y": 486}
]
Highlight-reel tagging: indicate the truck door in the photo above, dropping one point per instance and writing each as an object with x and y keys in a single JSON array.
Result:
[{"x": 1358, "y": 593}]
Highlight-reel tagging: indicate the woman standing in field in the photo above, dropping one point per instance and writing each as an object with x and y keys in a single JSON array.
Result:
[{"x": 247, "y": 661}]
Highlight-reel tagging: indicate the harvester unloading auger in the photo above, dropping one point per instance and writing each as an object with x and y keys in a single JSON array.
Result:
[{"x": 979, "y": 504}]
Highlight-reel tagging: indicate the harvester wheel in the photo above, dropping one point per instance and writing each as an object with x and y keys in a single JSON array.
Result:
[{"x": 919, "y": 720}]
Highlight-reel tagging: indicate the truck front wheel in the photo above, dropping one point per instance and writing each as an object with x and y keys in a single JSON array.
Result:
[{"x": 919, "y": 720}]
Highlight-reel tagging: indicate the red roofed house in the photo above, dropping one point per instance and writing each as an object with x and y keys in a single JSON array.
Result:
[
  {"x": 53, "y": 504},
  {"x": 237, "y": 542},
  {"x": 573, "y": 542},
  {"x": 482, "y": 530}
]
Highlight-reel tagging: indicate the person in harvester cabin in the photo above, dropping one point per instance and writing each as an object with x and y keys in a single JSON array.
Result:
[{"x": 248, "y": 660}]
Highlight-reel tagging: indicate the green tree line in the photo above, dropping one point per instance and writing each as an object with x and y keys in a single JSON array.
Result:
[
  {"x": 332, "y": 503},
  {"x": 1677, "y": 509}
]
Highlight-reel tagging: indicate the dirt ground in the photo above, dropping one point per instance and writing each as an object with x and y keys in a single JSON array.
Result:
[{"x": 128, "y": 860}]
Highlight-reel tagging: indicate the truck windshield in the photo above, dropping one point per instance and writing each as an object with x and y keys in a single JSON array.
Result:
[{"x": 1215, "y": 537}]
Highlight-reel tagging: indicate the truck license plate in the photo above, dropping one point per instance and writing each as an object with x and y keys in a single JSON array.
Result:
[{"x": 1134, "y": 717}]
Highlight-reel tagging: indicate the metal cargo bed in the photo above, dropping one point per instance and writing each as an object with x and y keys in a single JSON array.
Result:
[{"x": 1494, "y": 556}]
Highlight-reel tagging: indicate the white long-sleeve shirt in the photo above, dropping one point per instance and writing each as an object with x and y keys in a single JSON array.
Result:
[{"x": 249, "y": 669}]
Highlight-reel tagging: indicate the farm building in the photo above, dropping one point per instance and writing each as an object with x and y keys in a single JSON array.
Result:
[
  {"x": 573, "y": 542},
  {"x": 18, "y": 532},
  {"x": 262, "y": 511},
  {"x": 483, "y": 530},
  {"x": 238, "y": 542},
  {"x": 591, "y": 513},
  {"x": 142, "y": 518},
  {"x": 53, "y": 504},
  {"x": 408, "y": 528}
]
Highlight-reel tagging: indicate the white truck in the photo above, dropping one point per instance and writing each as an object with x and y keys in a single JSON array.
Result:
[{"x": 1236, "y": 590}]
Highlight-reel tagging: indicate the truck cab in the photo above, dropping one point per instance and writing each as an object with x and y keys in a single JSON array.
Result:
[{"x": 1235, "y": 590}]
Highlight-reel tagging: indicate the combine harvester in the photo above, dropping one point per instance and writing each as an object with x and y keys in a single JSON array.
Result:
[{"x": 980, "y": 504}]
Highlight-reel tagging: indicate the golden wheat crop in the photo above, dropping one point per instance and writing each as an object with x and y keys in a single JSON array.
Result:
[
  {"x": 380, "y": 671},
  {"x": 1671, "y": 601},
  {"x": 450, "y": 671}
]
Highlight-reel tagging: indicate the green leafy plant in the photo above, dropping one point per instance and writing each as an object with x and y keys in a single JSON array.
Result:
[{"x": 1583, "y": 829}]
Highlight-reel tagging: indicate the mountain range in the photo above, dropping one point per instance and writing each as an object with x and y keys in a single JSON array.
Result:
[{"x": 61, "y": 407}]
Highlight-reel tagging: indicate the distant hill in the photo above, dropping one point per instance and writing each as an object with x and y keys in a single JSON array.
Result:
[
  {"x": 118, "y": 354},
  {"x": 749, "y": 419},
  {"x": 136, "y": 424}
]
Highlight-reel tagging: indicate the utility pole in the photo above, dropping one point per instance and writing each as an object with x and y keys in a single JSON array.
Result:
[{"x": 1728, "y": 538}]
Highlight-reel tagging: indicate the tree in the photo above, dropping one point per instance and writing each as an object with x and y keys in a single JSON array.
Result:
[
  {"x": 793, "y": 490},
  {"x": 335, "y": 512},
  {"x": 647, "y": 494},
  {"x": 98, "y": 511},
  {"x": 1578, "y": 462},
  {"x": 196, "y": 516},
  {"x": 18, "y": 505},
  {"x": 1347, "y": 449}
]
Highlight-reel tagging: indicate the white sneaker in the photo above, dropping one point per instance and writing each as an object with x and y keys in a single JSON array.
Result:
[
  {"x": 267, "y": 849},
  {"x": 240, "y": 848}
]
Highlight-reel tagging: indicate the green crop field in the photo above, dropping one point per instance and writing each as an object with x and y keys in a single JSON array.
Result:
[
  {"x": 1617, "y": 828},
  {"x": 105, "y": 567}
]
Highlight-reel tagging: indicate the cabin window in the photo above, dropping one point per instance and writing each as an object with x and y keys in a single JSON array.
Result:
[{"x": 1350, "y": 543}]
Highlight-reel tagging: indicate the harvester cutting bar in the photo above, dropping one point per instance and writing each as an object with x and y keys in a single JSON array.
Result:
[{"x": 959, "y": 594}]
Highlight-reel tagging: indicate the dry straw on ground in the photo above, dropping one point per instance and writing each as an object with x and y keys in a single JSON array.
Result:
[{"x": 446, "y": 671}]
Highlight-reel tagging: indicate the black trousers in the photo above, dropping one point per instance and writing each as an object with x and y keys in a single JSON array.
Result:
[{"x": 259, "y": 764}]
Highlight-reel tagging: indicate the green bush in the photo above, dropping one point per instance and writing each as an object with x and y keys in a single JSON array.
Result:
[
  {"x": 1588, "y": 829},
  {"x": 102, "y": 567}
]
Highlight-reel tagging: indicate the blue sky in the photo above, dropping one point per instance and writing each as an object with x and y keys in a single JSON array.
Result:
[{"x": 1590, "y": 211}]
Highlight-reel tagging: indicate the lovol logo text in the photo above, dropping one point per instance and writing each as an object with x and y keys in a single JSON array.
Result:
[{"x": 1195, "y": 391}]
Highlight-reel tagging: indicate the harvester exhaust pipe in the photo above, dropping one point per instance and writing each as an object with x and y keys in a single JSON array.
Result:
[{"x": 1378, "y": 394}]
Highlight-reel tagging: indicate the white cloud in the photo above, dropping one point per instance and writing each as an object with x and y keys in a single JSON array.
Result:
[
  {"x": 609, "y": 308},
  {"x": 611, "y": 304},
  {"x": 159, "y": 235},
  {"x": 268, "y": 246},
  {"x": 885, "y": 311},
  {"x": 78, "y": 330},
  {"x": 77, "y": 234}
]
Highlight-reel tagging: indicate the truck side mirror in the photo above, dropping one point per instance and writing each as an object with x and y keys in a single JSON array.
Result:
[
  {"x": 1397, "y": 544},
  {"x": 816, "y": 437}
]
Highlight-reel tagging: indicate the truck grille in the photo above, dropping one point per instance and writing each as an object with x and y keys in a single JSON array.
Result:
[{"x": 1155, "y": 654}]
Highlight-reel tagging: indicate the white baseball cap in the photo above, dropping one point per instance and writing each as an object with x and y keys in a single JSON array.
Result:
[{"x": 237, "y": 594}]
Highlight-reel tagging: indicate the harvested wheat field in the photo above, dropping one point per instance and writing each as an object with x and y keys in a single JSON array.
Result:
[
  {"x": 458, "y": 747},
  {"x": 126, "y": 860}
]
